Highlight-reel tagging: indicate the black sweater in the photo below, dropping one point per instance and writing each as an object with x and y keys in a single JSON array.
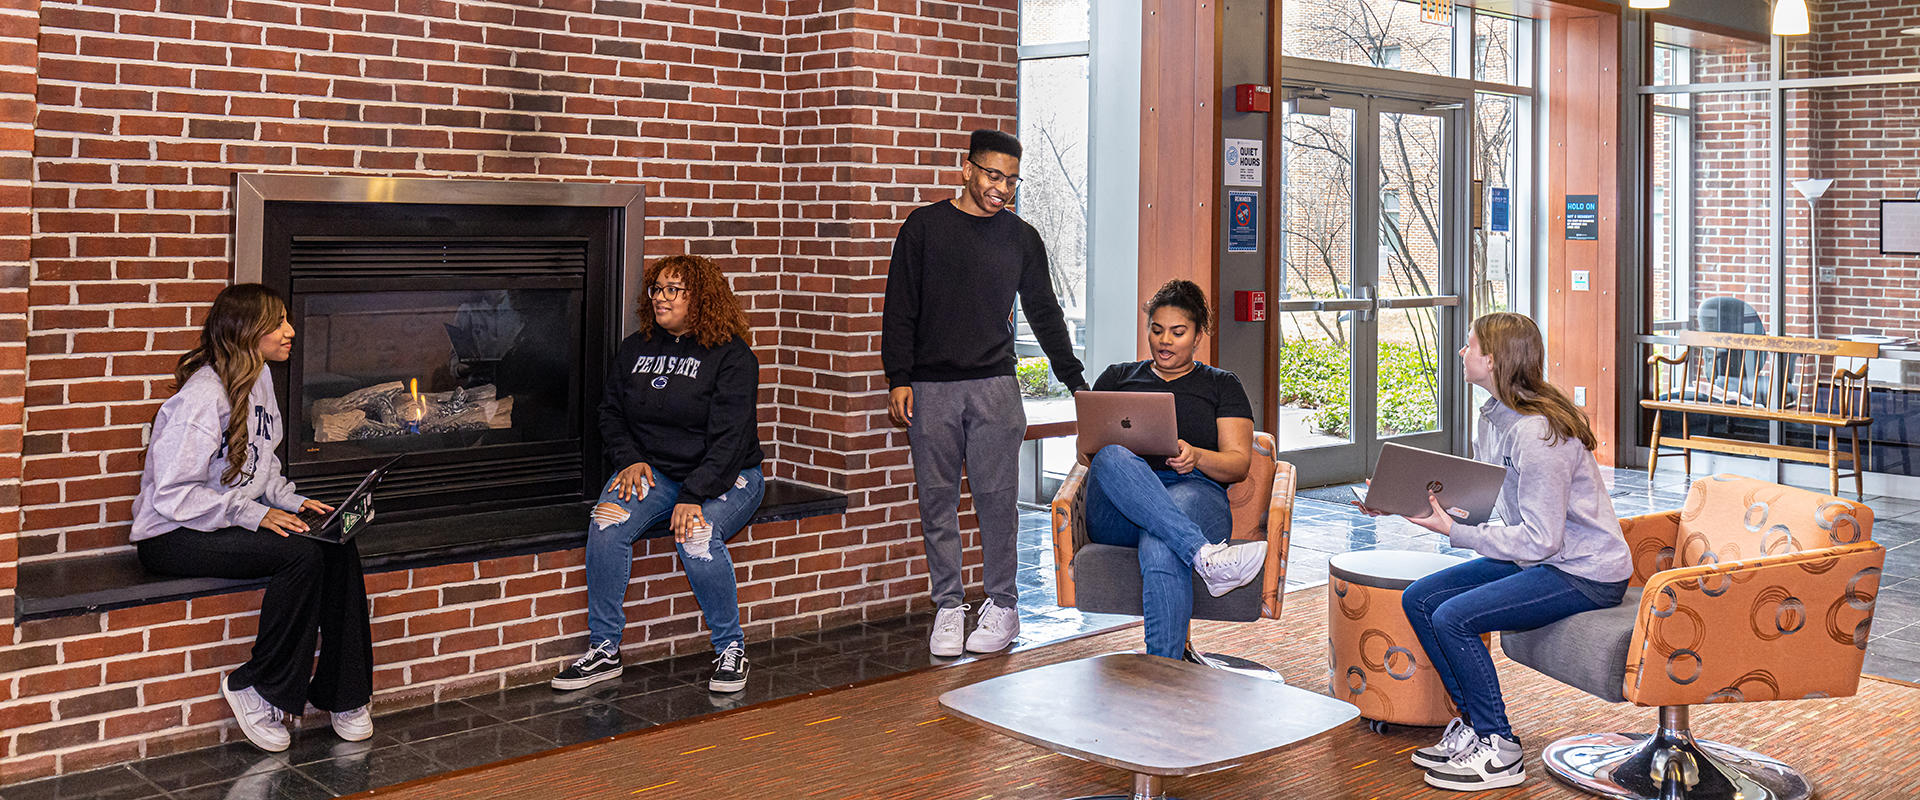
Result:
[
  {"x": 686, "y": 410},
  {"x": 950, "y": 291}
]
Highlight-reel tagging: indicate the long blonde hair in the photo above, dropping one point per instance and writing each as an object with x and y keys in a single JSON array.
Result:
[
  {"x": 1519, "y": 356},
  {"x": 242, "y": 315}
]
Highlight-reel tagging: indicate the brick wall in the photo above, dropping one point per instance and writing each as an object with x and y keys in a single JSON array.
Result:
[
  {"x": 785, "y": 138},
  {"x": 1866, "y": 138}
]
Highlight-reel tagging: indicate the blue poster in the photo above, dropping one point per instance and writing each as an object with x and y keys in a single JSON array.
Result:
[
  {"x": 1243, "y": 222},
  {"x": 1499, "y": 199},
  {"x": 1583, "y": 217}
]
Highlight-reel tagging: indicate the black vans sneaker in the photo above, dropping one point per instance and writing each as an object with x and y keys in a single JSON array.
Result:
[
  {"x": 729, "y": 670},
  {"x": 601, "y": 663}
]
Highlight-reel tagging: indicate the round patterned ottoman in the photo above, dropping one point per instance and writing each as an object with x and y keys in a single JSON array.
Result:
[{"x": 1375, "y": 662}]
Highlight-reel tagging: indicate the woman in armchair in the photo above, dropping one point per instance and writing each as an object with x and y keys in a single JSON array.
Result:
[{"x": 1174, "y": 510}]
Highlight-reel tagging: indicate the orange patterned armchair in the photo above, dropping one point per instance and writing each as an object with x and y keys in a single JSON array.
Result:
[
  {"x": 1109, "y": 576},
  {"x": 1753, "y": 591}
]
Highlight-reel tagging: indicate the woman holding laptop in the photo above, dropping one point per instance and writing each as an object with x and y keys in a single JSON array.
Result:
[
  {"x": 1174, "y": 509},
  {"x": 213, "y": 503},
  {"x": 1557, "y": 552}
]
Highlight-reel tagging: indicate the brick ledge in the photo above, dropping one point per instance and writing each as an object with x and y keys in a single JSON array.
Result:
[{"x": 94, "y": 583}]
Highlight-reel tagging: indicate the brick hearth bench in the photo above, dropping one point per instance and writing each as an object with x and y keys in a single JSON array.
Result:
[{"x": 92, "y": 583}]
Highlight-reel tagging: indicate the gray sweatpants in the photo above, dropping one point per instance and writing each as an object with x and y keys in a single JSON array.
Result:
[{"x": 982, "y": 423}]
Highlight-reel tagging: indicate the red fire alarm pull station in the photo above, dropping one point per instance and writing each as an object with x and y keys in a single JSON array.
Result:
[
  {"x": 1252, "y": 97},
  {"x": 1249, "y": 306}
]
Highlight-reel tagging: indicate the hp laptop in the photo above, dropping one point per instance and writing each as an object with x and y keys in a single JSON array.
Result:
[
  {"x": 350, "y": 515},
  {"x": 1404, "y": 475},
  {"x": 1142, "y": 422}
]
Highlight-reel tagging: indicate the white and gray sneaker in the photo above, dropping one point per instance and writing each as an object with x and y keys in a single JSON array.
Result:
[
  {"x": 601, "y": 663},
  {"x": 355, "y": 725},
  {"x": 1456, "y": 740},
  {"x": 1226, "y": 566},
  {"x": 1491, "y": 762},
  {"x": 997, "y": 628},
  {"x": 949, "y": 630},
  {"x": 262, "y": 723}
]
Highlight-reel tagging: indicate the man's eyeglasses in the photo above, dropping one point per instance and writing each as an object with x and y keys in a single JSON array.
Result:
[
  {"x": 995, "y": 175},
  {"x": 660, "y": 292}
]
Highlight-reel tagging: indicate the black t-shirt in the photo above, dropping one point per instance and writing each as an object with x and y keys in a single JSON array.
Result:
[{"x": 1200, "y": 397}]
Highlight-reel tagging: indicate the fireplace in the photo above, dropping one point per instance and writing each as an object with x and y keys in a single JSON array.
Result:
[{"x": 466, "y": 324}]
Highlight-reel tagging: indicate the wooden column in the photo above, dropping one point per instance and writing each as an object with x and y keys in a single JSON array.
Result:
[
  {"x": 1180, "y": 168},
  {"x": 1582, "y": 325}
]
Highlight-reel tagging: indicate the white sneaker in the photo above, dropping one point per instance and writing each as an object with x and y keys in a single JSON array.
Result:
[
  {"x": 1226, "y": 566},
  {"x": 355, "y": 725},
  {"x": 261, "y": 722},
  {"x": 1456, "y": 740},
  {"x": 949, "y": 626},
  {"x": 997, "y": 628},
  {"x": 1491, "y": 762}
]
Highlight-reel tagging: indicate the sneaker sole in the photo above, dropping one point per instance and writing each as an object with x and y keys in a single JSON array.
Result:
[
  {"x": 565, "y": 684},
  {"x": 1008, "y": 643},
  {"x": 355, "y": 737},
  {"x": 270, "y": 747},
  {"x": 1493, "y": 782},
  {"x": 726, "y": 687}
]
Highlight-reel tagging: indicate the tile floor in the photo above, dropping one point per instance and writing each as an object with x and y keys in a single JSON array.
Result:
[{"x": 477, "y": 730}]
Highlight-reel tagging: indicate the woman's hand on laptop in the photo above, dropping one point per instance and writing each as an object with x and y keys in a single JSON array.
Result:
[
  {"x": 316, "y": 507},
  {"x": 1186, "y": 460},
  {"x": 281, "y": 522},
  {"x": 1436, "y": 519}
]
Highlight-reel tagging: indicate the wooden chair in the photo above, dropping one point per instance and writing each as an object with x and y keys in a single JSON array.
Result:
[
  {"x": 1820, "y": 383},
  {"x": 1109, "y": 577}
]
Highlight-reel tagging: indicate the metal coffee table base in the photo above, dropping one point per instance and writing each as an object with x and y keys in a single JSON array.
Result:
[{"x": 1145, "y": 787}]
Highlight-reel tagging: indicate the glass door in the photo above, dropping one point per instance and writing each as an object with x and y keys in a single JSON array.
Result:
[{"x": 1366, "y": 335}]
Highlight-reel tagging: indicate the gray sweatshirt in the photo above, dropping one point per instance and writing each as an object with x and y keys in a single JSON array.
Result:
[
  {"x": 1554, "y": 506},
  {"x": 181, "y": 486}
]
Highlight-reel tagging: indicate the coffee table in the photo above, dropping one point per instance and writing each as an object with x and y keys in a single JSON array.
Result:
[{"x": 1154, "y": 717}]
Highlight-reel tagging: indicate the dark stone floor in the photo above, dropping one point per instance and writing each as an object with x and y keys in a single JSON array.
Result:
[{"x": 420, "y": 742}]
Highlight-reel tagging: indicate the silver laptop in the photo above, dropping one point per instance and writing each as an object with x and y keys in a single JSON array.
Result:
[
  {"x": 1142, "y": 422},
  {"x": 1405, "y": 475}
]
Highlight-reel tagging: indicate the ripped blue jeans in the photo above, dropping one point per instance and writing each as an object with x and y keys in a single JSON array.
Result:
[{"x": 619, "y": 523}]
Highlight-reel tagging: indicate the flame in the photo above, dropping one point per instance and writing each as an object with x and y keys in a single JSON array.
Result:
[{"x": 415, "y": 409}]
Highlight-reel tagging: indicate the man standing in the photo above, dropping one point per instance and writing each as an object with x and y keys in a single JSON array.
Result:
[{"x": 947, "y": 347}]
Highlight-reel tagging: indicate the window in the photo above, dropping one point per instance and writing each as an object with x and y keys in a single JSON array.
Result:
[{"x": 1387, "y": 56}]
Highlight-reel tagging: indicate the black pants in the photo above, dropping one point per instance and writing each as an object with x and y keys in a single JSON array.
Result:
[{"x": 313, "y": 588}]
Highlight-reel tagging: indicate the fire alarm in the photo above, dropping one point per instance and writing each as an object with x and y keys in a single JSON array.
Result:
[
  {"x": 1249, "y": 306},
  {"x": 1252, "y": 97}
]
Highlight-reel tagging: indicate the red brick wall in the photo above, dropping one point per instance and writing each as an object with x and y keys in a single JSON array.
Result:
[
  {"x": 19, "y": 27},
  {"x": 784, "y": 137},
  {"x": 1866, "y": 138}
]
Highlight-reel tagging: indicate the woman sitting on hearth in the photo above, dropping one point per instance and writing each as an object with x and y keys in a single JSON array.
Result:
[
  {"x": 678, "y": 421},
  {"x": 213, "y": 503}
]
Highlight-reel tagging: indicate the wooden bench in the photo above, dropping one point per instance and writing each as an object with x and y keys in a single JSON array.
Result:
[{"x": 1820, "y": 383}]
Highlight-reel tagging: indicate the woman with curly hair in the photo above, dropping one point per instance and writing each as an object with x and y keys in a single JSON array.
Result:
[
  {"x": 678, "y": 422},
  {"x": 213, "y": 503}
]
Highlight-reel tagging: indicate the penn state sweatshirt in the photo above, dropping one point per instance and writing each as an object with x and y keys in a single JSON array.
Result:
[{"x": 181, "y": 487}]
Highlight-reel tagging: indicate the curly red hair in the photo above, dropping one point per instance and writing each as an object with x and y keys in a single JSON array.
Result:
[{"x": 712, "y": 310}]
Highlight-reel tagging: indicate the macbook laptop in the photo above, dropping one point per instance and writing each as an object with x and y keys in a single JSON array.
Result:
[
  {"x": 349, "y": 515},
  {"x": 1142, "y": 422},
  {"x": 1404, "y": 475}
]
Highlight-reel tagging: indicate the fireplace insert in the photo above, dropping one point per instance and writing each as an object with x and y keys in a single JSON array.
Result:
[{"x": 474, "y": 338}]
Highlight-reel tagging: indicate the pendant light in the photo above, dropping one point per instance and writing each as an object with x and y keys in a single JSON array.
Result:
[{"x": 1790, "y": 18}]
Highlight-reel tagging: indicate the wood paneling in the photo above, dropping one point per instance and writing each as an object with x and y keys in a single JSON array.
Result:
[
  {"x": 1179, "y": 145},
  {"x": 1583, "y": 97}
]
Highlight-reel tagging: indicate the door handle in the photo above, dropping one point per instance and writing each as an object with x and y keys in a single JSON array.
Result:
[{"x": 1420, "y": 301}]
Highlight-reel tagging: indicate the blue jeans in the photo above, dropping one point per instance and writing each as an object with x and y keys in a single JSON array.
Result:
[
  {"x": 1451, "y": 608},
  {"x": 610, "y": 557},
  {"x": 1167, "y": 516}
]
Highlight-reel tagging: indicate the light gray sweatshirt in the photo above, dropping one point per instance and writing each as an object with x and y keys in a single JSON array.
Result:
[
  {"x": 1553, "y": 505},
  {"x": 181, "y": 486}
]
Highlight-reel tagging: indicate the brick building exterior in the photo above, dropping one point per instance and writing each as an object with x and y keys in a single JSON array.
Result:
[{"x": 785, "y": 138}]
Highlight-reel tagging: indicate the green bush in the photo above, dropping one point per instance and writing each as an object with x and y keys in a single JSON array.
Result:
[
  {"x": 1036, "y": 378},
  {"x": 1314, "y": 374}
]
